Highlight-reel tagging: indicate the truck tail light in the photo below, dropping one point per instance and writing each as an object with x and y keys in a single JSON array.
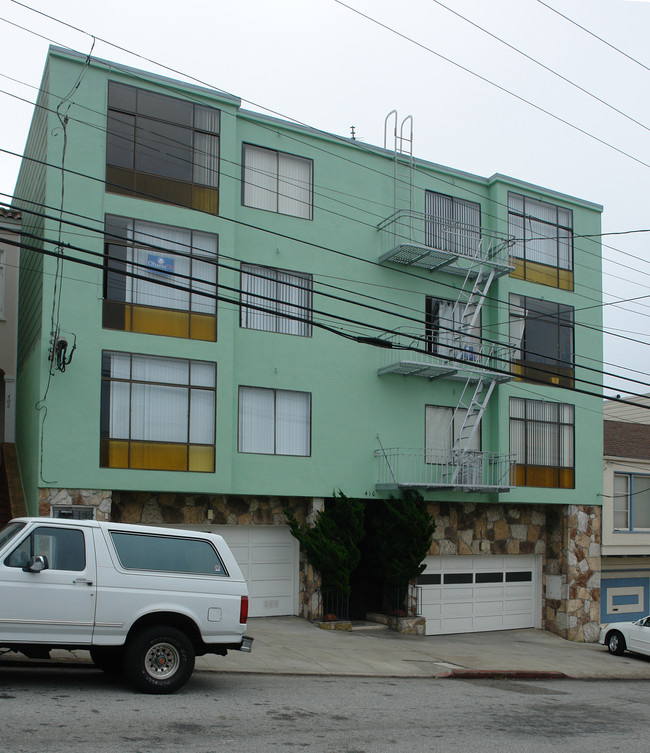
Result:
[{"x": 243, "y": 610}]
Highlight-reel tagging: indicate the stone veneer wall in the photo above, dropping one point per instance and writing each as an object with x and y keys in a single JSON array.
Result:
[
  {"x": 155, "y": 508},
  {"x": 573, "y": 572},
  {"x": 567, "y": 538}
]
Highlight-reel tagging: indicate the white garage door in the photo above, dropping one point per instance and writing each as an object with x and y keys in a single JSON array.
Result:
[
  {"x": 464, "y": 594},
  {"x": 268, "y": 558}
]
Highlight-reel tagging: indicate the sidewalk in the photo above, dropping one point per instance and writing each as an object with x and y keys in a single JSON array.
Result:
[
  {"x": 293, "y": 646},
  {"x": 290, "y": 645}
]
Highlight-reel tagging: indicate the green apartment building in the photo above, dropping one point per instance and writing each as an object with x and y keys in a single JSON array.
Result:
[{"x": 223, "y": 314}]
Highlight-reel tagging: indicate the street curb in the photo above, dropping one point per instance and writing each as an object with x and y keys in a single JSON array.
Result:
[{"x": 500, "y": 674}]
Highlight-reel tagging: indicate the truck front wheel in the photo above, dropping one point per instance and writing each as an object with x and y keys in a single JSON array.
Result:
[{"x": 159, "y": 659}]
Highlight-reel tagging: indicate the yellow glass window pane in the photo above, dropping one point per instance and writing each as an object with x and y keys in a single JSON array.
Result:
[
  {"x": 202, "y": 459},
  {"x": 119, "y": 180},
  {"x": 567, "y": 478},
  {"x": 158, "y": 188},
  {"x": 205, "y": 199},
  {"x": 203, "y": 327},
  {"x": 155, "y": 456},
  {"x": 114, "y": 453},
  {"x": 155, "y": 321},
  {"x": 566, "y": 279}
]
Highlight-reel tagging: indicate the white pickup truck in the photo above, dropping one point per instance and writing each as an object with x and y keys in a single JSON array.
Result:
[{"x": 144, "y": 601}]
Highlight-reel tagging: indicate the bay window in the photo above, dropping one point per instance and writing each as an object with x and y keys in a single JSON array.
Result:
[
  {"x": 162, "y": 148},
  {"x": 541, "y": 332},
  {"x": 542, "y": 440},
  {"x": 157, "y": 413},
  {"x": 543, "y": 247},
  {"x": 143, "y": 261}
]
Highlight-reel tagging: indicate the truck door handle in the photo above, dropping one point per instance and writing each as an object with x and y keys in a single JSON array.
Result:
[{"x": 87, "y": 581}]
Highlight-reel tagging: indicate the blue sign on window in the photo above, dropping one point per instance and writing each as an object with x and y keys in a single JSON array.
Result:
[{"x": 160, "y": 263}]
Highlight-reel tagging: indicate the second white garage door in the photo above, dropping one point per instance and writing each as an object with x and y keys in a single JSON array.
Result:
[
  {"x": 465, "y": 594},
  {"x": 268, "y": 558}
]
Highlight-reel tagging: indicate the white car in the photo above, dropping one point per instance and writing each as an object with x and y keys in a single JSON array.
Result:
[{"x": 630, "y": 636}]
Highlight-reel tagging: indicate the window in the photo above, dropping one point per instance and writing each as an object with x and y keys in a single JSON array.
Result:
[
  {"x": 443, "y": 429},
  {"x": 167, "y": 554},
  {"x": 542, "y": 440},
  {"x": 631, "y": 502},
  {"x": 274, "y": 422},
  {"x": 73, "y": 512},
  {"x": 543, "y": 248},
  {"x": 143, "y": 262},
  {"x": 452, "y": 224},
  {"x": 277, "y": 182},
  {"x": 542, "y": 334},
  {"x": 449, "y": 329},
  {"x": 162, "y": 148},
  {"x": 281, "y": 294},
  {"x": 157, "y": 413},
  {"x": 64, "y": 548}
]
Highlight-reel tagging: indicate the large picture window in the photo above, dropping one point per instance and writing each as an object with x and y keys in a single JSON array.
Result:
[
  {"x": 285, "y": 298},
  {"x": 541, "y": 333},
  {"x": 162, "y": 148},
  {"x": 543, "y": 247},
  {"x": 274, "y": 422},
  {"x": 453, "y": 224},
  {"x": 542, "y": 440},
  {"x": 143, "y": 261},
  {"x": 631, "y": 502},
  {"x": 277, "y": 182},
  {"x": 157, "y": 413}
]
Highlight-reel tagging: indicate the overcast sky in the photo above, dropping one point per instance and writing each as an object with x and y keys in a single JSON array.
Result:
[{"x": 324, "y": 65}]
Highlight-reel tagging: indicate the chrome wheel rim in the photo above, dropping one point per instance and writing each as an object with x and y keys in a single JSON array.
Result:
[
  {"x": 613, "y": 642},
  {"x": 162, "y": 661}
]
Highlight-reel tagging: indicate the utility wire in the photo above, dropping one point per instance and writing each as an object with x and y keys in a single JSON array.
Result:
[
  {"x": 541, "y": 65},
  {"x": 594, "y": 35}
]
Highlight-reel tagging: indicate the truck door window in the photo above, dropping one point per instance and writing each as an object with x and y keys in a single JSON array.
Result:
[{"x": 63, "y": 547}]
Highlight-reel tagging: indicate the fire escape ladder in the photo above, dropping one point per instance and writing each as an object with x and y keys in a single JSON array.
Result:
[
  {"x": 403, "y": 171},
  {"x": 467, "y": 461}
]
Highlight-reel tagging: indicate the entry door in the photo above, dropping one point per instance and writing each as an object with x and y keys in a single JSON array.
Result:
[{"x": 56, "y": 605}]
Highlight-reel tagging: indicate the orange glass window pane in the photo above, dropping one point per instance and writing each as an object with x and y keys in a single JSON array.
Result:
[
  {"x": 114, "y": 453},
  {"x": 205, "y": 199}
]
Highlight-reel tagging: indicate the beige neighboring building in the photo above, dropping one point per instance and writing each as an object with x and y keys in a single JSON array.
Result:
[
  {"x": 10, "y": 220},
  {"x": 625, "y": 584}
]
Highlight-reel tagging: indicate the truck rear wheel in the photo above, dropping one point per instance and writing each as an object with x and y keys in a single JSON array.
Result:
[{"x": 159, "y": 659}]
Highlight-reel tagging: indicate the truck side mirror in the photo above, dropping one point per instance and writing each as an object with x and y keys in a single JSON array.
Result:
[{"x": 36, "y": 563}]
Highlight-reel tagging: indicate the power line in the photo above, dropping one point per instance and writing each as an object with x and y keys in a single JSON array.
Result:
[
  {"x": 594, "y": 35},
  {"x": 491, "y": 83},
  {"x": 541, "y": 65}
]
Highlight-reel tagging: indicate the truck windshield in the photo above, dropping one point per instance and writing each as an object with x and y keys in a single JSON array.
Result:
[{"x": 9, "y": 531}]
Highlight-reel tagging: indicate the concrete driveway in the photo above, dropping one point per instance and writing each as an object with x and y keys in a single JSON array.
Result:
[{"x": 290, "y": 645}]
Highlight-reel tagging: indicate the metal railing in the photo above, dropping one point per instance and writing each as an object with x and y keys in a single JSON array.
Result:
[
  {"x": 468, "y": 470},
  {"x": 333, "y": 605},
  {"x": 402, "y": 602},
  {"x": 461, "y": 352},
  {"x": 426, "y": 231}
]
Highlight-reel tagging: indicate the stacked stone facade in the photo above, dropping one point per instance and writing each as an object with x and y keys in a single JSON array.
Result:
[{"x": 567, "y": 538}]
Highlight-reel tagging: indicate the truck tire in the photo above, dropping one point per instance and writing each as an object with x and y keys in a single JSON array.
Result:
[
  {"x": 159, "y": 659},
  {"x": 108, "y": 658}
]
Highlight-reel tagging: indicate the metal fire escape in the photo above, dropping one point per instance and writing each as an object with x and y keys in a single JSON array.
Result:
[{"x": 427, "y": 242}]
